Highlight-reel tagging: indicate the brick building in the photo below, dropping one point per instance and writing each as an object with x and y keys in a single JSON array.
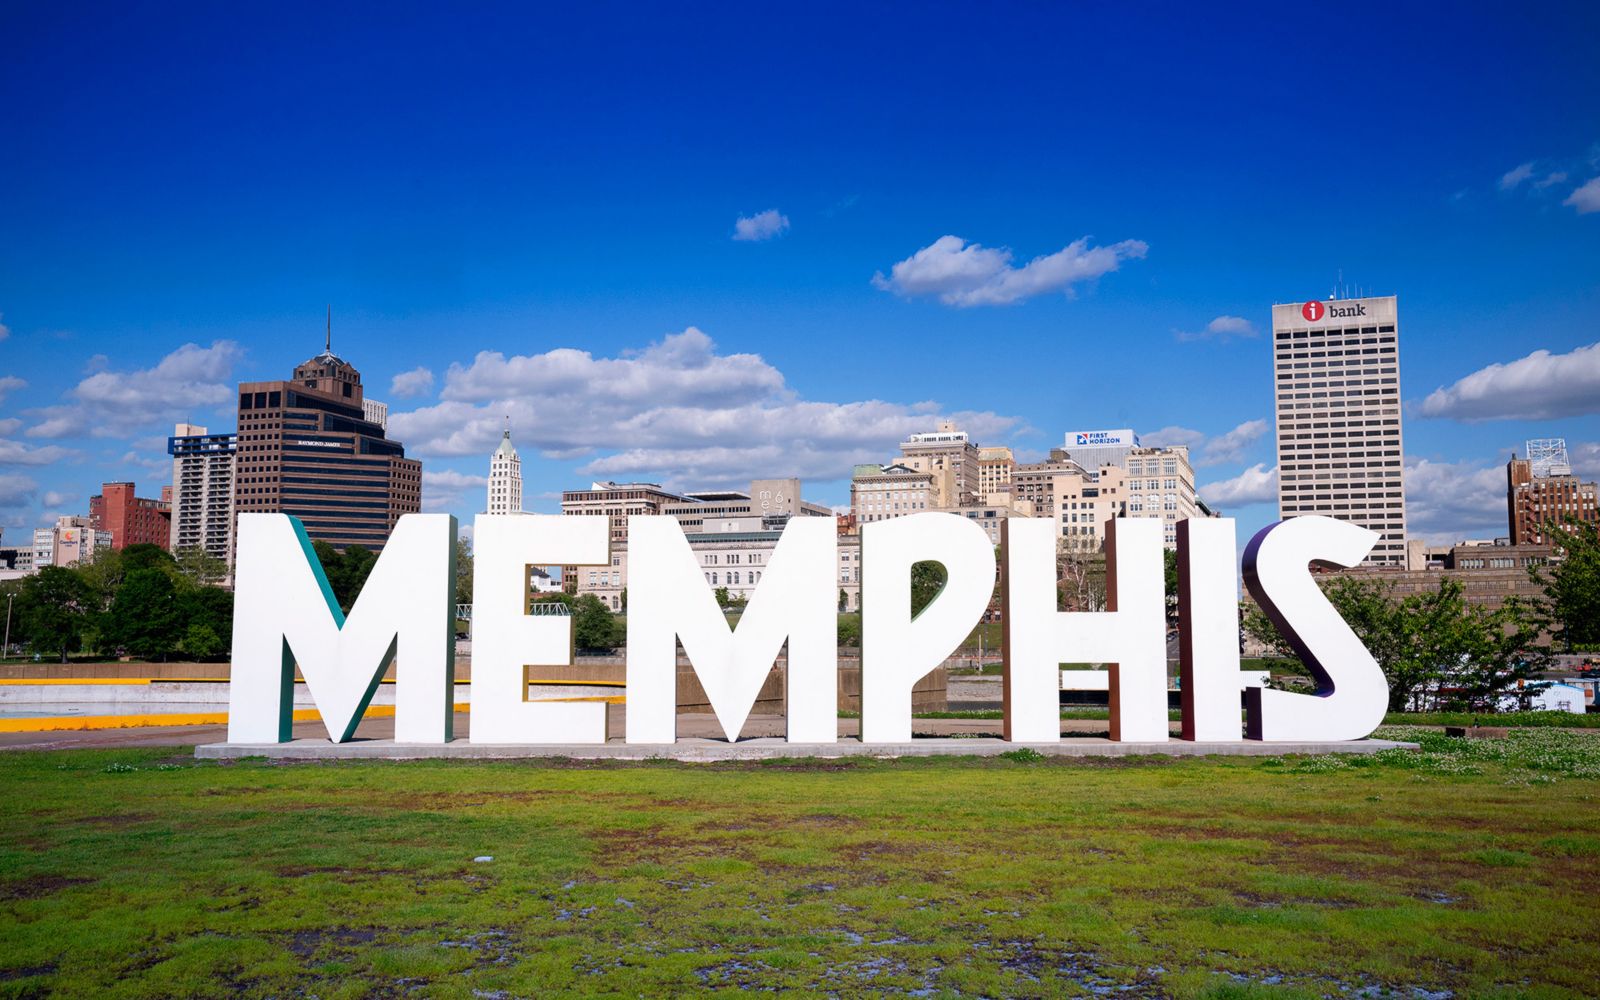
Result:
[
  {"x": 1539, "y": 493},
  {"x": 130, "y": 519}
]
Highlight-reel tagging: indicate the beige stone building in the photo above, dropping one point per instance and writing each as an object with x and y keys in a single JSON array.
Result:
[
  {"x": 732, "y": 533},
  {"x": 1160, "y": 483},
  {"x": 881, "y": 492},
  {"x": 1146, "y": 482},
  {"x": 994, "y": 470},
  {"x": 947, "y": 449},
  {"x": 849, "y": 557}
]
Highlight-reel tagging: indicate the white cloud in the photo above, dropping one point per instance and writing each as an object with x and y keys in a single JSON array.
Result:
[
  {"x": 1447, "y": 502},
  {"x": 761, "y": 226},
  {"x": 149, "y": 461},
  {"x": 16, "y": 490},
  {"x": 5, "y": 331},
  {"x": 416, "y": 382},
  {"x": 116, "y": 404},
  {"x": 968, "y": 274},
  {"x": 1540, "y": 386},
  {"x": 1223, "y": 328},
  {"x": 10, "y": 384},
  {"x": 1585, "y": 459},
  {"x": 1230, "y": 447},
  {"x": 1168, "y": 436},
  {"x": 1586, "y": 199},
  {"x": 54, "y": 499},
  {"x": 445, "y": 488},
  {"x": 1224, "y": 448},
  {"x": 1551, "y": 179},
  {"x": 1257, "y": 484},
  {"x": 1515, "y": 176},
  {"x": 677, "y": 412},
  {"x": 10, "y": 425},
  {"x": 17, "y": 453}
]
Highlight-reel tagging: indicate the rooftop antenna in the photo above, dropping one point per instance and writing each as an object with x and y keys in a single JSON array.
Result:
[
  {"x": 328, "y": 344},
  {"x": 508, "y": 426}
]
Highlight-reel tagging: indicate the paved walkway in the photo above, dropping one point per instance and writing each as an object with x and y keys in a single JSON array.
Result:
[{"x": 689, "y": 726}]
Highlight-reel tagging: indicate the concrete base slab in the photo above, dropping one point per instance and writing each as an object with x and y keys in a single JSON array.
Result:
[{"x": 767, "y": 748}]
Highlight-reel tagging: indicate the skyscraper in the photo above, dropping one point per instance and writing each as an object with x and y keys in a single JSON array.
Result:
[
  {"x": 306, "y": 447},
  {"x": 1336, "y": 374},
  {"x": 202, "y": 490},
  {"x": 505, "y": 478}
]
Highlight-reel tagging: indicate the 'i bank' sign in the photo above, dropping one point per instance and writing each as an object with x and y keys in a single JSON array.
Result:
[{"x": 285, "y": 615}]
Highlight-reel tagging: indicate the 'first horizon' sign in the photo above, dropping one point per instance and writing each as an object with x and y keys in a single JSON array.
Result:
[{"x": 285, "y": 616}]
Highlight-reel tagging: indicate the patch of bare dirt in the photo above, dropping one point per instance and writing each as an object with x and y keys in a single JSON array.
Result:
[{"x": 39, "y": 886}]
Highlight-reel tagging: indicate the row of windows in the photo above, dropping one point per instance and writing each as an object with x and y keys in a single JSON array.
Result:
[
  {"x": 1347, "y": 332},
  {"x": 734, "y": 579},
  {"x": 733, "y": 558}
]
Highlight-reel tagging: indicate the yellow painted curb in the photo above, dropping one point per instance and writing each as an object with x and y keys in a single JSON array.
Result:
[
  {"x": 60, "y": 723},
  {"x": 45, "y": 681}
]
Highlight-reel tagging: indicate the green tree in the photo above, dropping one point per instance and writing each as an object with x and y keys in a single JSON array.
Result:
[
  {"x": 208, "y": 608},
  {"x": 1169, "y": 562},
  {"x": 1572, "y": 585},
  {"x": 927, "y": 579},
  {"x": 1080, "y": 574},
  {"x": 593, "y": 624},
  {"x": 202, "y": 642},
  {"x": 1434, "y": 647},
  {"x": 850, "y": 630},
  {"x": 144, "y": 616},
  {"x": 346, "y": 571},
  {"x": 844, "y": 600},
  {"x": 463, "y": 570},
  {"x": 102, "y": 574},
  {"x": 721, "y": 594},
  {"x": 1498, "y": 652},
  {"x": 53, "y": 610},
  {"x": 199, "y": 568},
  {"x": 143, "y": 555}
]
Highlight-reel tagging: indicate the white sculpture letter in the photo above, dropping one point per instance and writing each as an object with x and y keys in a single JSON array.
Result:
[
  {"x": 284, "y": 613},
  {"x": 1129, "y": 635},
  {"x": 669, "y": 599},
  {"x": 506, "y": 640},
  {"x": 1352, "y": 694},
  {"x": 1208, "y": 630},
  {"x": 897, "y": 650}
]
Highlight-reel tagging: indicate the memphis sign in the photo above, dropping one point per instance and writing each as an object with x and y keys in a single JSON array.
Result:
[{"x": 285, "y": 616}]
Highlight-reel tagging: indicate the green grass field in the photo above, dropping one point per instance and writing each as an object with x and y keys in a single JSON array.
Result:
[{"x": 1465, "y": 870}]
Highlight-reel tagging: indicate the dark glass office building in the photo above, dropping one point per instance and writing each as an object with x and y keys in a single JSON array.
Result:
[{"x": 306, "y": 448}]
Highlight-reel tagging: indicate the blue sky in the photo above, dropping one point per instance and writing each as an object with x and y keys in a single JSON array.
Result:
[{"x": 1092, "y": 211}]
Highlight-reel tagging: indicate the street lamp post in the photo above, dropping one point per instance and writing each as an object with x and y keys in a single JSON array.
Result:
[{"x": 5, "y": 650}]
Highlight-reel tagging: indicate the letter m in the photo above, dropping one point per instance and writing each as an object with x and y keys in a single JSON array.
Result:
[
  {"x": 670, "y": 599},
  {"x": 284, "y": 614}
]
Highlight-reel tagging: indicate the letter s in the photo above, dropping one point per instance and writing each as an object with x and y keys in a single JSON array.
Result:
[{"x": 1352, "y": 694}]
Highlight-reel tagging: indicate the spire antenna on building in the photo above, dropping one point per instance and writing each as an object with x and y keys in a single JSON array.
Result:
[{"x": 327, "y": 345}]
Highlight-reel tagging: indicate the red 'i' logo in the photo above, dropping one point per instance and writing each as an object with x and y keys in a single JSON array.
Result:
[{"x": 1312, "y": 310}]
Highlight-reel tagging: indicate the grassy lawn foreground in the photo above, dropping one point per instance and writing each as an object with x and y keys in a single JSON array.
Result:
[{"x": 1466, "y": 870}]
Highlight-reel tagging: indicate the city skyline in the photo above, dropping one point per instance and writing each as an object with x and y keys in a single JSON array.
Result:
[{"x": 799, "y": 282}]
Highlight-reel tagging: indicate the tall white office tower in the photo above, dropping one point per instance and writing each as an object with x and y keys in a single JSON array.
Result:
[
  {"x": 202, "y": 490},
  {"x": 505, "y": 478},
  {"x": 1336, "y": 373}
]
